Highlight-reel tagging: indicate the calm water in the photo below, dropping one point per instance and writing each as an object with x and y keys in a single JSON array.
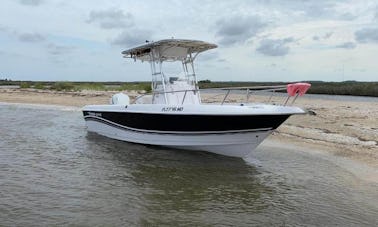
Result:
[{"x": 52, "y": 172}]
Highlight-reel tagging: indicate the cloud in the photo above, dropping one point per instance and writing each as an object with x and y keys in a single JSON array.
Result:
[
  {"x": 3, "y": 28},
  {"x": 111, "y": 18},
  {"x": 238, "y": 29},
  {"x": 325, "y": 36},
  {"x": 132, "y": 37},
  {"x": 319, "y": 10},
  {"x": 208, "y": 56},
  {"x": 347, "y": 45},
  {"x": 275, "y": 47},
  {"x": 31, "y": 2},
  {"x": 313, "y": 9},
  {"x": 348, "y": 16},
  {"x": 367, "y": 35},
  {"x": 31, "y": 37},
  {"x": 57, "y": 50}
]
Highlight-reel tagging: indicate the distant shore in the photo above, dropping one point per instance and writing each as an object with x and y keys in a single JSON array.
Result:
[
  {"x": 344, "y": 128},
  {"x": 355, "y": 88}
]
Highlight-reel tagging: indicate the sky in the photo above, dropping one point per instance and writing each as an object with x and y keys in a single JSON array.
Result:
[{"x": 258, "y": 40}]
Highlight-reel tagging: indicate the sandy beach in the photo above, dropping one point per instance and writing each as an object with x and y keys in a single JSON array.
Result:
[{"x": 344, "y": 128}]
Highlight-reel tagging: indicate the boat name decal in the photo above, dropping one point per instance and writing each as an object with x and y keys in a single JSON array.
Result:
[
  {"x": 172, "y": 109},
  {"x": 94, "y": 114}
]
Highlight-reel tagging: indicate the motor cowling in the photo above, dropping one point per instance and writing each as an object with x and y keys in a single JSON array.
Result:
[{"x": 120, "y": 99}]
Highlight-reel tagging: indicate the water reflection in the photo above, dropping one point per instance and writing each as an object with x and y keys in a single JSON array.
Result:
[{"x": 186, "y": 186}]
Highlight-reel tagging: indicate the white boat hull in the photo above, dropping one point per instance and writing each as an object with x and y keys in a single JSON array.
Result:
[
  {"x": 231, "y": 130},
  {"x": 236, "y": 144}
]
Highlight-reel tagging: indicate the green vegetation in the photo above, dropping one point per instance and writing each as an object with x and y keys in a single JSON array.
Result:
[
  {"x": 63, "y": 86},
  {"x": 345, "y": 88},
  {"x": 91, "y": 86},
  {"x": 208, "y": 84},
  {"x": 204, "y": 81},
  {"x": 318, "y": 87},
  {"x": 25, "y": 85},
  {"x": 136, "y": 86},
  {"x": 39, "y": 86}
]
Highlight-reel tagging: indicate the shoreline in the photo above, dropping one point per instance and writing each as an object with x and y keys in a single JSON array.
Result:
[{"x": 343, "y": 128}]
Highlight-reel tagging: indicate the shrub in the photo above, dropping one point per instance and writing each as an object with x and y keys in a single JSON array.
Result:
[
  {"x": 91, "y": 86},
  {"x": 137, "y": 86},
  {"x": 25, "y": 85},
  {"x": 39, "y": 86},
  {"x": 147, "y": 88},
  {"x": 63, "y": 86},
  {"x": 204, "y": 81}
]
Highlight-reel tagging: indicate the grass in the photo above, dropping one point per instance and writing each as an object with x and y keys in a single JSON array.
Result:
[
  {"x": 63, "y": 86},
  {"x": 345, "y": 88},
  {"x": 25, "y": 85},
  {"x": 39, "y": 86},
  {"x": 98, "y": 86},
  {"x": 91, "y": 86},
  {"x": 318, "y": 87},
  {"x": 136, "y": 86}
]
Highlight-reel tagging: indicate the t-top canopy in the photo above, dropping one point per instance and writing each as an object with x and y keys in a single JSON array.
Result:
[{"x": 168, "y": 49}]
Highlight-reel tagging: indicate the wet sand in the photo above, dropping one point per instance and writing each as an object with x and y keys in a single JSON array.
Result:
[{"x": 344, "y": 128}]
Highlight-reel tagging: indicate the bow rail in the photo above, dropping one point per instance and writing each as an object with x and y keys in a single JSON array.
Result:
[{"x": 293, "y": 91}]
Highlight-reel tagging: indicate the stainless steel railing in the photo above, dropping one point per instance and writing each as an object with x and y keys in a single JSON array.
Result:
[{"x": 270, "y": 91}]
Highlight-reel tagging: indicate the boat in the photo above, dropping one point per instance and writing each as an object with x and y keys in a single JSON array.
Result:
[{"x": 173, "y": 114}]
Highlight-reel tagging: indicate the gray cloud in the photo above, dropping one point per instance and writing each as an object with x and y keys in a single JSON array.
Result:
[
  {"x": 313, "y": 9},
  {"x": 324, "y": 9},
  {"x": 347, "y": 45},
  {"x": 348, "y": 16},
  {"x": 309, "y": 8},
  {"x": 367, "y": 35},
  {"x": 132, "y": 37},
  {"x": 57, "y": 50},
  {"x": 275, "y": 47},
  {"x": 238, "y": 29},
  {"x": 31, "y": 2},
  {"x": 111, "y": 18},
  {"x": 31, "y": 37},
  {"x": 325, "y": 36}
]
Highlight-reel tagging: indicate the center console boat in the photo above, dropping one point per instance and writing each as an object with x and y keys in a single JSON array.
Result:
[{"x": 174, "y": 115}]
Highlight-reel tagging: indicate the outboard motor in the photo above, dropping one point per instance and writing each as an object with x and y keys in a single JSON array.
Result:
[{"x": 120, "y": 99}]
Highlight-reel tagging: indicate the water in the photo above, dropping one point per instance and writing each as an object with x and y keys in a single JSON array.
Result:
[{"x": 52, "y": 172}]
